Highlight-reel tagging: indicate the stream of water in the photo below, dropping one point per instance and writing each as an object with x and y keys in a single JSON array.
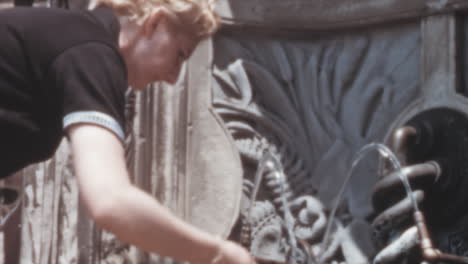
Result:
[
  {"x": 385, "y": 152},
  {"x": 271, "y": 162}
]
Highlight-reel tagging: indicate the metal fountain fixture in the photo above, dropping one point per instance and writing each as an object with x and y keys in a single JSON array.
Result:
[
  {"x": 434, "y": 129},
  {"x": 437, "y": 135}
]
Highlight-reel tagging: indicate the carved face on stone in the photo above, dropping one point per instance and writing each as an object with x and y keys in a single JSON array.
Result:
[
  {"x": 268, "y": 244},
  {"x": 267, "y": 238},
  {"x": 310, "y": 216}
]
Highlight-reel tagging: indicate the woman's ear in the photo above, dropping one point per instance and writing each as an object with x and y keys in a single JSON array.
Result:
[{"x": 152, "y": 22}]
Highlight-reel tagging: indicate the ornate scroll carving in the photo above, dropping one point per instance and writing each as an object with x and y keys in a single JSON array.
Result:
[{"x": 312, "y": 103}]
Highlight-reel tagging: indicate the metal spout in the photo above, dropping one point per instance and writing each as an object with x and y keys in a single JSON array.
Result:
[
  {"x": 402, "y": 138},
  {"x": 429, "y": 252}
]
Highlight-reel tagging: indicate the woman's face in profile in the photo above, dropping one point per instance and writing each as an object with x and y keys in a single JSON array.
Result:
[{"x": 159, "y": 56}]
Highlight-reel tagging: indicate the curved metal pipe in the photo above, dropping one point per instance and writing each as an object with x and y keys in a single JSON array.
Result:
[
  {"x": 401, "y": 138},
  {"x": 429, "y": 252},
  {"x": 428, "y": 172},
  {"x": 430, "y": 169}
]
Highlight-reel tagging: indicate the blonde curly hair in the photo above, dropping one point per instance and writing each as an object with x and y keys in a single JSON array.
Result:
[{"x": 197, "y": 16}]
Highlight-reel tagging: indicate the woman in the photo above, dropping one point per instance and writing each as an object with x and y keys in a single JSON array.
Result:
[{"x": 65, "y": 72}]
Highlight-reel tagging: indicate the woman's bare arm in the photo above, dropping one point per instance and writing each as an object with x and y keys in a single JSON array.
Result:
[{"x": 134, "y": 216}]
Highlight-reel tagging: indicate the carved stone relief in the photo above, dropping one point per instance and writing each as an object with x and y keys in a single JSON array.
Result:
[{"x": 313, "y": 101}]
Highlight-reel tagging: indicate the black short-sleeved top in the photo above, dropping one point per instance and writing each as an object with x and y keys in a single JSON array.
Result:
[{"x": 57, "y": 68}]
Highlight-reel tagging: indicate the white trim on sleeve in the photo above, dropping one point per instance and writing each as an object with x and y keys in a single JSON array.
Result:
[{"x": 94, "y": 117}]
